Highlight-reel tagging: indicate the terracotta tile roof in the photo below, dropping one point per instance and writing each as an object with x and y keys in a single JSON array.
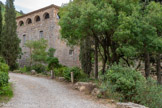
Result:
[{"x": 38, "y": 11}]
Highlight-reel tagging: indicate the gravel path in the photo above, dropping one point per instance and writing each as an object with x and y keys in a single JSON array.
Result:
[{"x": 35, "y": 92}]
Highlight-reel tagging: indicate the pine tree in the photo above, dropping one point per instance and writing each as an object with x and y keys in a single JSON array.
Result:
[
  {"x": 0, "y": 27},
  {"x": 10, "y": 41}
]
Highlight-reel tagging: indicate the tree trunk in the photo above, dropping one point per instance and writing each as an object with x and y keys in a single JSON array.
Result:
[
  {"x": 147, "y": 65},
  {"x": 96, "y": 60},
  {"x": 158, "y": 67},
  {"x": 104, "y": 63}
]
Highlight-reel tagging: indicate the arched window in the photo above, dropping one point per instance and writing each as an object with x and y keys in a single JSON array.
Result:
[
  {"x": 57, "y": 16},
  {"x": 21, "y": 23},
  {"x": 46, "y": 15},
  {"x": 37, "y": 19},
  {"x": 28, "y": 21}
]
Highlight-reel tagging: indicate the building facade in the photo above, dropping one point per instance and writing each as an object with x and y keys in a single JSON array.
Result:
[{"x": 43, "y": 23}]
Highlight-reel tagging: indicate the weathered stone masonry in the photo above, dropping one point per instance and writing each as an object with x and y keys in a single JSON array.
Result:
[{"x": 43, "y": 23}]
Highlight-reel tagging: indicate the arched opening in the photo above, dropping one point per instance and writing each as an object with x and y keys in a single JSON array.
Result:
[
  {"x": 29, "y": 21},
  {"x": 57, "y": 16},
  {"x": 46, "y": 16},
  {"x": 21, "y": 23},
  {"x": 37, "y": 19}
]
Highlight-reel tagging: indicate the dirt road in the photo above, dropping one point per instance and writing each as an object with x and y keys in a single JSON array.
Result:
[{"x": 35, "y": 92}]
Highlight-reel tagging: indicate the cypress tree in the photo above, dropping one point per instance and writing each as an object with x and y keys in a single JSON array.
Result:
[
  {"x": 86, "y": 55},
  {"x": 0, "y": 28},
  {"x": 10, "y": 40}
]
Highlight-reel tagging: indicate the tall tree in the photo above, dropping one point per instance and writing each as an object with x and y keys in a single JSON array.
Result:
[
  {"x": 0, "y": 28},
  {"x": 10, "y": 40},
  {"x": 86, "y": 55},
  {"x": 154, "y": 17}
]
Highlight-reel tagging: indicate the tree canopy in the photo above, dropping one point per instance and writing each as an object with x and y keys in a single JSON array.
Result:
[{"x": 125, "y": 30}]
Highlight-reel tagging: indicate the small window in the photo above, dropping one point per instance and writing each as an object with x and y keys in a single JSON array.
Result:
[
  {"x": 41, "y": 34},
  {"x": 24, "y": 39},
  {"x": 71, "y": 52}
]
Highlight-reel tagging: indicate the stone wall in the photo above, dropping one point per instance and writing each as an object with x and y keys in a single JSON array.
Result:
[{"x": 50, "y": 28}]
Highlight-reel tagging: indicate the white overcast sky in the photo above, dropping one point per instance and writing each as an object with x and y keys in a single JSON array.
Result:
[{"x": 30, "y": 5}]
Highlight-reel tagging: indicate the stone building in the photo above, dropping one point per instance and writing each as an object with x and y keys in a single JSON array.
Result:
[{"x": 43, "y": 23}]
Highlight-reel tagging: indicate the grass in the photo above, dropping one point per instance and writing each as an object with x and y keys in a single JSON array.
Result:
[{"x": 6, "y": 93}]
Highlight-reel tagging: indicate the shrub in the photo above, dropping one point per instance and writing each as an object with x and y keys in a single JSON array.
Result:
[
  {"x": 2, "y": 60},
  {"x": 39, "y": 68},
  {"x": 60, "y": 71},
  {"x": 28, "y": 68},
  {"x": 14, "y": 67},
  {"x": 4, "y": 67},
  {"x": 6, "y": 90},
  {"x": 53, "y": 62},
  {"x": 149, "y": 94},
  {"x": 124, "y": 80},
  {"x": 3, "y": 78},
  {"x": 23, "y": 70},
  {"x": 77, "y": 73},
  {"x": 107, "y": 92}
]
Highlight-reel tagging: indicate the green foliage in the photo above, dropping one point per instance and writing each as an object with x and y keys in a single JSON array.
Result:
[
  {"x": 108, "y": 92},
  {"x": 39, "y": 68},
  {"x": 86, "y": 55},
  {"x": 2, "y": 60},
  {"x": 60, "y": 71},
  {"x": 77, "y": 73},
  {"x": 38, "y": 50},
  {"x": 53, "y": 62},
  {"x": 10, "y": 40},
  {"x": 51, "y": 52},
  {"x": 4, "y": 67},
  {"x": 23, "y": 70},
  {"x": 28, "y": 68},
  {"x": 6, "y": 90},
  {"x": 3, "y": 74},
  {"x": 124, "y": 81},
  {"x": 3, "y": 78},
  {"x": 5, "y": 87},
  {"x": 3, "y": 11},
  {"x": 1, "y": 26},
  {"x": 149, "y": 94}
]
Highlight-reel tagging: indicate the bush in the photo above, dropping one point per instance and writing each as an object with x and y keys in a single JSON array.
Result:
[
  {"x": 4, "y": 67},
  {"x": 23, "y": 70},
  {"x": 28, "y": 68},
  {"x": 39, "y": 68},
  {"x": 124, "y": 80},
  {"x": 77, "y": 73},
  {"x": 149, "y": 94},
  {"x": 2, "y": 60},
  {"x": 53, "y": 62},
  {"x": 60, "y": 71},
  {"x": 6, "y": 90},
  {"x": 14, "y": 67},
  {"x": 107, "y": 92},
  {"x": 3, "y": 78}
]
